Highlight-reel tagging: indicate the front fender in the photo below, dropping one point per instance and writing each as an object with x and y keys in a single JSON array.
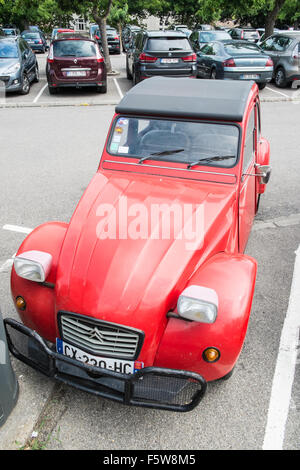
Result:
[
  {"x": 40, "y": 300},
  {"x": 182, "y": 345}
]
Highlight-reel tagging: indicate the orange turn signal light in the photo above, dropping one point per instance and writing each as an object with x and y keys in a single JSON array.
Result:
[
  {"x": 20, "y": 303},
  {"x": 211, "y": 354}
]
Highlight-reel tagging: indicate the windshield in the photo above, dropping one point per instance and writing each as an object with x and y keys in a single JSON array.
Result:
[
  {"x": 175, "y": 141},
  {"x": 241, "y": 48},
  {"x": 74, "y": 48},
  {"x": 31, "y": 36},
  {"x": 168, "y": 44},
  {"x": 214, "y": 36},
  {"x": 8, "y": 51}
]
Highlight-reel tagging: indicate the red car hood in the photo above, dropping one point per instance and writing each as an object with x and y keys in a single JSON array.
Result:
[{"x": 135, "y": 282}]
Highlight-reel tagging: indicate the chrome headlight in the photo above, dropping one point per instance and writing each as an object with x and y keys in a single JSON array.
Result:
[
  {"x": 14, "y": 68},
  {"x": 33, "y": 265},
  {"x": 198, "y": 304}
]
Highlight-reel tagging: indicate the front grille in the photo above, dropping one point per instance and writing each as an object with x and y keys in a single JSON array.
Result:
[
  {"x": 5, "y": 78},
  {"x": 100, "y": 338}
]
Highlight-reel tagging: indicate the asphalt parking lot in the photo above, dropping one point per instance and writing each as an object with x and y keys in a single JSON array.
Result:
[
  {"x": 118, "y": 85},
  {"x": 52, "y": 151}
]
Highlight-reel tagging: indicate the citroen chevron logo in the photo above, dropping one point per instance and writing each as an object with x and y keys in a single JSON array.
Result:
[{"x": 95, "y": 333}]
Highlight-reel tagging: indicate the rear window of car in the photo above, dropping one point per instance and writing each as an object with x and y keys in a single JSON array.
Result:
[
  {"x": 111, "y": 31},
  {"x": 214, "y": 36},
  {"x": 161, "y": 44},
  {"x": 8, "y": 51},
  {"x": 175, "y": 141},
  {"x": 74, "y": 48},
  {"x": 30, "y": 35},
  {"x": 239, "y": 48},
  {"x": 251, "y": 34}
]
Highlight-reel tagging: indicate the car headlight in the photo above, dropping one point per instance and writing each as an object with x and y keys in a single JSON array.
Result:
[
  {"x": 199, "y": 304},
  {"x": 33, "y": 265},
  {"x": 14, "y": 68}
]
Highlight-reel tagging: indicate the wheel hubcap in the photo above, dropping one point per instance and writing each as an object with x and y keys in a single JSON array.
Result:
[{"x": 25, "y": 84}]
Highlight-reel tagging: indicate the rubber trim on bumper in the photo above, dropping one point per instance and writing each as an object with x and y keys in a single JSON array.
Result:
[{"x": 151, "y": 387}]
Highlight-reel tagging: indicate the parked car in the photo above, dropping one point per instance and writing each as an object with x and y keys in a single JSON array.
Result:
[
  {"x": 55, "y": 31},
  {"x": 235, "y": 60},
  {"x": 263, "y": 35},
  {"x": 183, "y": 29},
  {"x": 249, "y": 34},
  {"x": 35, "y": 40},
  {"x": 128, "y": 33},
  {"x": 11, "y": 32},
  {"x": 75, "y": 63},
  {"x": 18, "y": 65},
  {"x": 204, "y": 27},
  {"x": 198, "y": 38},
  {"x": 284, "y": 49},
  {"x": 113, "y": 40},
  {"x": 119, "y": 303},
  {"x": 165, "y": 53}
]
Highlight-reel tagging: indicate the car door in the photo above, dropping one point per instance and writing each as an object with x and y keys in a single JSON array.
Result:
[
  {"x": 203, "y": 61},
  {"x": 248, "y": 185},
  {"x": 29, "y": 59},
  {"x": 268, "y": 46}
]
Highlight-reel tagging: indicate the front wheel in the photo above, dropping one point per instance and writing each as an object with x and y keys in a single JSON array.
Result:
[
  {"x": 213, "y": 74},
  {"x": 25, "y": 85},
  {"x": 36, "y": 74},
  {"x": 261, "y": 86},
  {"x": 280, "y": 78}
]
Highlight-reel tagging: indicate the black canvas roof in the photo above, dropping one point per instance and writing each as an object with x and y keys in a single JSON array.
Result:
[{"x": 186, "y": 97}]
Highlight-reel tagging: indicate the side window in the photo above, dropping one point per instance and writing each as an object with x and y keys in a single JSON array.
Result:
[
  {"x": 268, "y": 44},
  {"x": 249, "y": 146}
]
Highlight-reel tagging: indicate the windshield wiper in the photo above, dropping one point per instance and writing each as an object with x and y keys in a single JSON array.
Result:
[
  {"x": 160, "y": 154},
  {"x": 210, "y": 159}
]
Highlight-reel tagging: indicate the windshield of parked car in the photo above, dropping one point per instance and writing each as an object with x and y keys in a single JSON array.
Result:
[
  {"x": 8, "y": 51},
  {"x": 111, "y": 32},
  {"x": 241, "y": 48},
  {"x": 161, "y": 44},
  {"x": 30, "y": 35},
  {"x": 74, "y": 48},
  {"x": 175, "y": 141},
  {"x": 9, "y": 32}
]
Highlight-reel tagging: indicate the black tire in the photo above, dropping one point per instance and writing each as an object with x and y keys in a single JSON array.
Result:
[
  {"x": 128, "y": 74},
  {"x": 36, "y": 74},
  {"x": 134, "y": 78},
  {"x": 280, "y": 78},
  {"x": 102, "y": 89},
  {"x": 261, "y": 86},
  {"x": 25, "y": 85},
  {"x": 52, "y": 90},
  {"x": 227, "y": 376},
  {"x": 213, "y": 74}
]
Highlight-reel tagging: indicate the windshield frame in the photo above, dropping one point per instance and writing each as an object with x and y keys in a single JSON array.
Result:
[{"x": 170, "y": 160}]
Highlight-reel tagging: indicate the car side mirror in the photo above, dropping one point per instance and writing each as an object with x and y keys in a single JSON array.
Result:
[{"x": 264, "y": 172}]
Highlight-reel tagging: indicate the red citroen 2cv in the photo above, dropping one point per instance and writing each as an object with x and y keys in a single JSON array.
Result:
[{"x": 145, "y": 295}]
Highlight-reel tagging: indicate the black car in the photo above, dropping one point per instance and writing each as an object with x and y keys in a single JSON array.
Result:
[
  {"x": 166, "y": 53},
  {"x": 198, "y": 38},
  {"x": 113, "y": 40},
  {"x": 35, "y": 40},
  {"x": 18, "y": 65},
  {"x": 128, "y": 34},
  {"x": 234, "y": 60},
  {"x": 249, "y": 34}
]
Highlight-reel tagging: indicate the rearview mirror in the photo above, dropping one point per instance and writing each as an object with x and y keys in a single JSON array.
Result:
[{"x": 264, "y": 173}]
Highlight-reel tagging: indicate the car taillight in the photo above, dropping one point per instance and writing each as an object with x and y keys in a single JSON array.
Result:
[
  {"x": 269, "y": 63},
  {"x": 97, "y": 37},
  {"x": 147, "y": 58},
  {"x": 50, "y": 58},
  {"x": 296, "y": 53},
  {"x": 116, "y": 37},
  {"x": 242, "y": 34},
  {"x": 190, "y": 58},
  {"x": 40, "y": 41},
  {"x": 229, "y": 63},
  {"x": 100, "y": 59}
]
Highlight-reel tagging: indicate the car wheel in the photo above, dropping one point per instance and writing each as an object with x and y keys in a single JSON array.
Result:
[
  {"x": 25, "y": 85},
  {"x": 52, "y": 90},
  {"x": 280, "y": 78},
  {"x": 261, "y": 86},
  {"x": 102, "y": 89},
  {"x": 213, "y": 74},
  {"x": 128, "y": 74},
  {"x": 134, "y": 78},
  {"x": 36, "y": 74}
]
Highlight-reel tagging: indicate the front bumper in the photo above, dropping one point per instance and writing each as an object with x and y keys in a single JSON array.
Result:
[
  {"x": 12, "y": 82},
  {"x": 152, "y": 387}
]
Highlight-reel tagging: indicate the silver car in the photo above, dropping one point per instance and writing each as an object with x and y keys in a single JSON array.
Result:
[{"x": 284, "y": 49}]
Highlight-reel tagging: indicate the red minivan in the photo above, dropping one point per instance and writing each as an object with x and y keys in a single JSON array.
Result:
[{"x": 75, "y": 62}]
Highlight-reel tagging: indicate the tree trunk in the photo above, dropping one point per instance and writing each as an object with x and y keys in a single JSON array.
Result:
[
  {"x": 272, "y": 17},
  {"x": 120, "y": 36},
  {"x": 100, "y": 19}
]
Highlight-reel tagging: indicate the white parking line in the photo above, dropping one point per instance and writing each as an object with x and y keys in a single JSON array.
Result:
[
  {"x": 118, "y": 88},
  {"x": 285, "y": 368},
  {"x": 17, "y": 228},
  {"x": 279, "y": 92},
  {"x": 40, "y": 93}
]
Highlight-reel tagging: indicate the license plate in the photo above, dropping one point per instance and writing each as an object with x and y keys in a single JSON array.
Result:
[
  {"x": 250, "y": 76},
  {"x": 76, "y": 74},
  {"x": 169, "y": 61},
  {"x": 116, "y": 365}
]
